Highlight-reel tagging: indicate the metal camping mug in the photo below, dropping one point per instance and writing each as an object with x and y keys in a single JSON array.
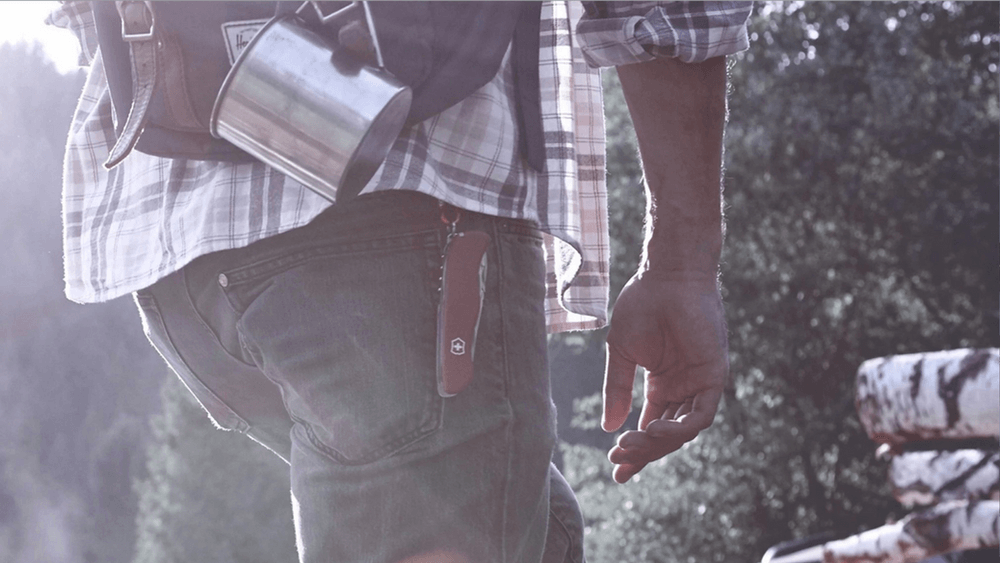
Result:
[{"x": 310, "y": 108}]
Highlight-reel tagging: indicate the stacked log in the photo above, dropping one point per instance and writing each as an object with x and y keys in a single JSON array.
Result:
[
  {"x": 914, "y": 398},
  {"x": 943, "y": 528},
  {"x": 938, "y": 415},
  {"x": 923, "y": 478}
]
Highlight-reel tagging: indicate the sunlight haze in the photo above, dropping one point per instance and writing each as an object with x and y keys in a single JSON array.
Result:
[{"x": 25, "y": 21}]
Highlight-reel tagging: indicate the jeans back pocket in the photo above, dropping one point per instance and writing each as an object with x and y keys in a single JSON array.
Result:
[
  {"x": 348, "y": 331},
  {"x": 160, "y": 337}
]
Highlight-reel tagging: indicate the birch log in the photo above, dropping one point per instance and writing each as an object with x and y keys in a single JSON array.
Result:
[
  {"x": 924, "y": 478},
  {"x": 947, "y": 527},
  {"x": 953, "y": 394}
]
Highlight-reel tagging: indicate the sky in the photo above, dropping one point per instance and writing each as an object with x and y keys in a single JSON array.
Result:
[{"x": 25, "y": 21}]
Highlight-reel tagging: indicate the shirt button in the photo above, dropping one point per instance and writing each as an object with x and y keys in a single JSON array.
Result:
[{"x": 223, "y": 280}]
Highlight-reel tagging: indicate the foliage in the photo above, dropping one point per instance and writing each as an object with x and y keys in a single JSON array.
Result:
[
  {"x": 73, "y": 403},
  {"x": 862, "y": 205},
  {"x": 77, "y": 385},
  {"x": 211, "y": 496},
  {"x": 862, "y": 176}
]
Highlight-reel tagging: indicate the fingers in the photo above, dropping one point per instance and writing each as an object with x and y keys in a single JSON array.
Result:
[
  {"x": 680, "y": 423},
  {"x": 638, "y": 447},
  {"x": 695, "y": 415},
  {"x": 654, "y": 410},
  {"x": 622, "y": 473},
  {"x": 632, "y": 455},
  {"x": 619, "y": 376}
]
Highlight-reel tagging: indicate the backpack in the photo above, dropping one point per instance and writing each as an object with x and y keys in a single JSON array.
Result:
[{"x": 165, "y": 62}]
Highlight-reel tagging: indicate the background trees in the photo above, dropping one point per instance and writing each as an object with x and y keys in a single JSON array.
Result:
[
  {"x": 76, "y": 385},
  {"x": 209, "y": 495},
  {"x": 862, "y": 187}
]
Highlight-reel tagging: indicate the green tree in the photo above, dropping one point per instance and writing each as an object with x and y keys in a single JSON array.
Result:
[
  {"x": 67, "y": 373},
  {"x": 79, "y": 383},
  {"x": 210, "y": 496},
  {"x": 862, "y": 187}
]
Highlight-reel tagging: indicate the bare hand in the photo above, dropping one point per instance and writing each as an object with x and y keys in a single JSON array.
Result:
[{"x": 673, "y": 326}]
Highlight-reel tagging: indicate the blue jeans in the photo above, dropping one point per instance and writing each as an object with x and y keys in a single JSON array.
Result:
[{"x": 320, "y": 344}]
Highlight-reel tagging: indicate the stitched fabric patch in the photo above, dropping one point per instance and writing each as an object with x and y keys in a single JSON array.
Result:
[{"x": 238, "y": 35}]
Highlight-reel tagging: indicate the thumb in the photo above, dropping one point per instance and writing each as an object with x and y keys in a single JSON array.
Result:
[{"x": 619, "y": 375}]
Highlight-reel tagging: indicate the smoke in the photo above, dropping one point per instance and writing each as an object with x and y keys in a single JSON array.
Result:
[{"x": 49, "y": 522}]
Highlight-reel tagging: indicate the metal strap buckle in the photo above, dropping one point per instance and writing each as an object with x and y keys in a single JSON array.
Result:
[{"x": 137, "y": 26}]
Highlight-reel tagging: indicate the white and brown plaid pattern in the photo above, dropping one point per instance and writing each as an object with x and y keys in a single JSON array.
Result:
[
  {"x": 126, "y": 228},
  {"x": 617, "y": 33}
]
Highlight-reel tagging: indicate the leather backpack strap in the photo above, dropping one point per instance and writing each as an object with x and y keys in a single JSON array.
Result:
[
  {"x": 524, "y": 55},
  {"x": 139, "y": 31}
]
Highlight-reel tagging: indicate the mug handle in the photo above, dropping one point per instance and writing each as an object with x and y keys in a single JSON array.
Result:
[{"x": 327, "y": 18}]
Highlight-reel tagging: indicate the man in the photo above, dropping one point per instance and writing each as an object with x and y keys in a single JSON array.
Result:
[{"x": 312, "y": 328}]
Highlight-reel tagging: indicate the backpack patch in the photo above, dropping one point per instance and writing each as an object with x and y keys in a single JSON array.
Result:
[{"x": 238, "y": 35}]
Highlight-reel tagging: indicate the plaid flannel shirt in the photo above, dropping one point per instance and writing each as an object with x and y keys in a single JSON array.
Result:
[{"x": 126, "y": 228}]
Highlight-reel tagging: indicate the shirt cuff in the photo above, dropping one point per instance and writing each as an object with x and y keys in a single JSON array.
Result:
[{"x": 626, "y": 33}]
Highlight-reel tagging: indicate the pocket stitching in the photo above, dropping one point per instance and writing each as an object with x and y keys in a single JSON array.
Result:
[
  {"x": 275, "y": 264},
  {"x": 432, "y": 410},
  {"x": 204, "y": 323},
  {"x": 150, "y": 307},
  {"x": 428, "y": 426}
]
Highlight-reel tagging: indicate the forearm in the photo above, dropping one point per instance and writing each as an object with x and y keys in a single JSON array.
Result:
[{"x": 679, "y": 113}]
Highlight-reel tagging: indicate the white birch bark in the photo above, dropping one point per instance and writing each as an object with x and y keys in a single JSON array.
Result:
[
  {"x": 951, "y": 394},
  {"x": 924, "y": 478},
  {"x": 947, "y": 527}
]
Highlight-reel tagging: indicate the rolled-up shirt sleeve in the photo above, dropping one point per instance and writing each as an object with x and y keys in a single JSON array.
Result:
[{"x": 620, "y": 33}]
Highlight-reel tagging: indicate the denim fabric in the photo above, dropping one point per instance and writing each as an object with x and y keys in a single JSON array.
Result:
[{"x": 320, "y": 343}]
